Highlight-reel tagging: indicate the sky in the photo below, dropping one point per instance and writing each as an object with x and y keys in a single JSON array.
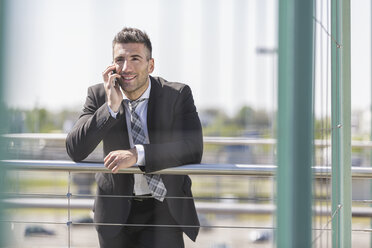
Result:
[
  {"x": 56, "y": 49},
  {"x": 361, "y": 54}
]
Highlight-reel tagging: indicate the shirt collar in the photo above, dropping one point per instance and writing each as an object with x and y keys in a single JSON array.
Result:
[{"x": 145, "y": 95}]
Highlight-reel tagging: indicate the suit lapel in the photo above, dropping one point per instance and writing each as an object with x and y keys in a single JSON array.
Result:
[
  {"x": 123, "y": 136},
  {"x": 155, "y": 94},
  {"x": 123, "y": 116}
]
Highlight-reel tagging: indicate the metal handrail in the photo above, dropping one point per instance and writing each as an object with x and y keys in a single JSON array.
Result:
[
  {"x": 190, "y": 169},
  {"x": 45, "y": 136},
  {"x": 210, "y": 140},
  {"x": 202, "y": 207}
]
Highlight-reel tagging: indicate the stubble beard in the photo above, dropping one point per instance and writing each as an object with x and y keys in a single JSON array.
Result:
[{"x": 135, "y": 89}]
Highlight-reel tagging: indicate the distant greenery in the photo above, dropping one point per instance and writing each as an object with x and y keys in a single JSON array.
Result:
[
  {"x": 37, "y": 120},
  {"x": 245, "y": 122},
  {"x": 215, "y": 122}
]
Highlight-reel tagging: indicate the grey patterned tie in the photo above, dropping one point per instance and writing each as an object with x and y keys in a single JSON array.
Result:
[{"x": 155, "y": 182}]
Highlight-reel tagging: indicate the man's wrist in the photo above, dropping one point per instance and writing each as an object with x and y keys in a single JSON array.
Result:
[
  {"x": 135, "y": 153},
  {"x": 113, "y": 107},
  {"x": 112, "y": 112}
]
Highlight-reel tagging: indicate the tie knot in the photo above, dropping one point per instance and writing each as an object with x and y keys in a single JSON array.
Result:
[{"x": 134, "y": 104}]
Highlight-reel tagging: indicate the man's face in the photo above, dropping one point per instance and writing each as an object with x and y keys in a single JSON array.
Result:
[{"x": 131, "y": 60}]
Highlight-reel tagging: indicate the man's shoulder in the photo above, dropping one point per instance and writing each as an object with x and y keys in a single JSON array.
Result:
[
  {"x": 168, "y": 86},
  {"x": 97, "y": 87},
  {"x": 97, "y": 90}
]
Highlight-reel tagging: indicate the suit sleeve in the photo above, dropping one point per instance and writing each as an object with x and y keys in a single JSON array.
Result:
[
  {"x": 186, "y": 146},
  {"x": 90, "y": 128}
]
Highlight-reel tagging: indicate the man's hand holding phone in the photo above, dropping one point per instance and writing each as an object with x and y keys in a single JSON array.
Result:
[{"x": 112, "y": 88}]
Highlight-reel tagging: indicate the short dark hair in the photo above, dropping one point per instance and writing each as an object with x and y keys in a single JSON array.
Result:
[{"x": 133, "y": 35}]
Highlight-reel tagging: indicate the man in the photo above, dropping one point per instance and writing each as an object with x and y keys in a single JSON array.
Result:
[{"x": 145, "y": 121}]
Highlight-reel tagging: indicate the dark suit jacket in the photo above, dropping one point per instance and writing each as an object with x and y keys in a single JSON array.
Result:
[{"x": 175, "y": 139}]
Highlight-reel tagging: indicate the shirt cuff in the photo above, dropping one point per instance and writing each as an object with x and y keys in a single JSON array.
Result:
[
  {"x": 140, "y": 155},
  {"x": 112, "y": 113}
]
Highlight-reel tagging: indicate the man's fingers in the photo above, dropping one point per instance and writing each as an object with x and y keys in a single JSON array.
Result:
[
  {"x": 108, "y": 159},
  {"x": 116, "y": 160},
  {"x": 117, "y": 88},
  {"x": 109, "y": 69},
  {"x": 110, "y": 83},
  {"x": 115, "y": 169},
  {"x": 112, "y": 78},
  {"x": 107, "y": 73},
  {"x": 113, "y": 164}
]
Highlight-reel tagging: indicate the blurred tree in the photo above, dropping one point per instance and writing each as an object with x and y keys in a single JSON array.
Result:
[
  {"x": 244, "y": 117},
  {"x": 37, "y": 120},
  {"x": 262, "y": 119},
  {"x": 217, "y": 123}
]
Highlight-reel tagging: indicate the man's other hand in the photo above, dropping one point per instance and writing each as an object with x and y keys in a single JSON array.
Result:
[{"x": 120, "y": 159}]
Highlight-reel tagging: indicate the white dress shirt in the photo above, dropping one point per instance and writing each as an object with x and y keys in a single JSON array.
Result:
[{"x": 140, "y": 183}]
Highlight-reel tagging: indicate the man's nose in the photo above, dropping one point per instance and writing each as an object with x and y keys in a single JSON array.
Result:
[{"x": 126, "y": 67}]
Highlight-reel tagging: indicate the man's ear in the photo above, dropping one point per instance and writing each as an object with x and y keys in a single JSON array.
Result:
[{"x": 151, "y": 66}]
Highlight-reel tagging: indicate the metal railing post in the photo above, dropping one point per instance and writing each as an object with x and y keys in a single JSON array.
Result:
[
  {"x": 2, "y": 113},
  {"x": 295, "y": 124},
  {"x": 370, "y": 152},
  {"x": 341, "y": 124},
  {"x": 69, "y": 221}
]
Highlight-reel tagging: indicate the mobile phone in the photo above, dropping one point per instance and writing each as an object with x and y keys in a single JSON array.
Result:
[{"x": 116, "y": 80}]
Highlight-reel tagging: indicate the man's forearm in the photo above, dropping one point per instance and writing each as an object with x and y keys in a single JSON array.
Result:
[{"x": 88, "y": 132}]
